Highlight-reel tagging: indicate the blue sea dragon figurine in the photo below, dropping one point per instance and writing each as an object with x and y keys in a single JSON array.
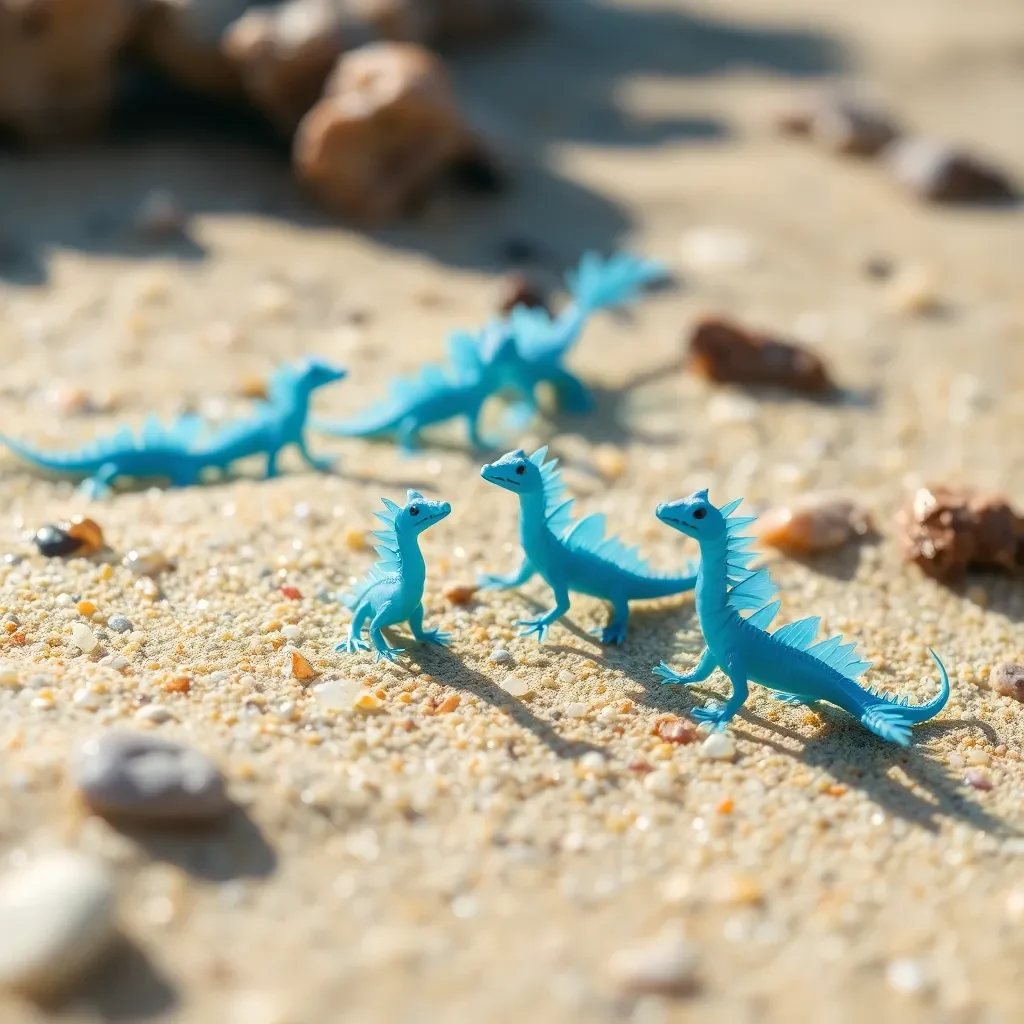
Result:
[
  {"x": 393, "y": 590},
  {"x": 183, "y": 450},
  {"x": 542, "y": 341},
  {"x": 787, "y": 661},
  {"x": 572, "y": 555},
  {"x": 512, "y": 354}
]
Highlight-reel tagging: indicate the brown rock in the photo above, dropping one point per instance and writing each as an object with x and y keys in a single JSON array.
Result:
[
  {"x": 459, "y": 593},
  {"x": 518, "y": 290},
  {"x": 723, "y": 351},
  {"x": 813, "y": 523},
  {"x": 386, "y": 130},
  {"x": 946, "y": 531},
  {"x": 57, "y": 65},
  {"x": 944, "y": 174},
  {"x": 87, "y": 532},
  {"x": 841, "y": 123},
  {"x": 1008, "y": 679},
  {"x": 183, "y": 37}
]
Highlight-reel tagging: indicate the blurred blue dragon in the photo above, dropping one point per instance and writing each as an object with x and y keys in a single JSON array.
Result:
[
  {"x": 512, "y": 354},
  {"x": 183, "y": 450}
]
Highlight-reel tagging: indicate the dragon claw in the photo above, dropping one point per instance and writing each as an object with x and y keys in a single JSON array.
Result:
[
  {"x": 390, "y": 653},
  {"x": 436, "y": 636},
  {"x": 352, "y": 646},
  {"x": 666, "y": 675},
  {"x": 538, "y": 626},
  {"x": 715, "y": 717},
  {"x": 611, "y": 634}
]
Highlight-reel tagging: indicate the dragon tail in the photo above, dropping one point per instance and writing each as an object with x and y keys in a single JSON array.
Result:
[
  {"x": 373, "y": 423},
  {"x": 56, "y": 463},
  {"x": 892, "y": 718},
  {"x": 601, "y": 284}
]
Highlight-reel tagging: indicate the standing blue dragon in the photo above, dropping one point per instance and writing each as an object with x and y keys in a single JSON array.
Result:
[
  {"x": 181, "y": 451},
  {"x": 510, "y": 354},
  {"x": 787, "y": 661},
  {"x": 393, "y": 590},
  {"x": 572, "y": 555}
]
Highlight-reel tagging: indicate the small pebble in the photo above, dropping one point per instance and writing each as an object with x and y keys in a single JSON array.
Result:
[
  {"x": 337, "y": 694},
  {"x": 610, "y": 461},
  {"x": 156, "y": 713},
  {"x": 82, "y": 638},
  {"x": 660, "y": 782},
  {"x": 718, "y": 747},
  {"x": 120, "y": 624},
  {"x": 941, "y": 173},
  {"x": 9, "y": 676},
  {"x": 57, "y": 917},
  {"x": 516, "y": 687},
  {"x": 676, "y": 731},
  {"x": 500, "y": 656},
  {"x": 145, "y": 562},
  {"x": 140, "y": 776},
  {"x": 717, "y": 248},
  {"x": 53, "y": 542},
  {"x": 575, "y": 710},
  {"x": 88, "y": 532},
  {"x": 449, "y": 704},
  {"x": 912, "y": 290},
  {"x": 459, "y": 593},
  {"x": 299, "y": 667},
  {"x": 665, "y": 965},
  {"x": 813, "y": 523},
  {"x": 292, "y": 593},
  {"x": 978, "y": 778},
  {"x": 906, "y": 976},
  {"x": 160, "y": 216},
  {"x": 369, "y": 702},
  {"x": 1007, "y": 679}
]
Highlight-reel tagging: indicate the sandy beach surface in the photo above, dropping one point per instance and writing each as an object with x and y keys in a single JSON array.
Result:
[{"x": 489, "y": 859}]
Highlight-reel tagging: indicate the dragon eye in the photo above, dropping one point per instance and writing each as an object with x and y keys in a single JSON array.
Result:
[
  {"x": 520, "y": 470},
  {"x": 414, "y": 510},
  {"x": 699, "y": 513}
]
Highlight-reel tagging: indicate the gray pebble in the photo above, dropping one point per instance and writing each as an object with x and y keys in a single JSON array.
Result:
[
  {"x": 133, "y": 775},
  {"x": 120, "y": 624},
  {"x": 57, "y": 917}
]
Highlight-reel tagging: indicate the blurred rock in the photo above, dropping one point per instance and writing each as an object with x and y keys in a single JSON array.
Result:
[
  {"x": 57, "y": 66},
  {"x": 284, "y": 53},
  {"x": 387, "y": 129},
  {"x": 726, "y": 352},
  {"x": 841, "y": 123},
  {"x": 948, "y": 530},
  {"x": 184, "y": 39},
  {"x": 813, "y": 523},
  {"x": 941, "y": 173}
]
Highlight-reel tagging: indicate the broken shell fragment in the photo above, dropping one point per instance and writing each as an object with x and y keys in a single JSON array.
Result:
[{"x": 814, "y": 523}]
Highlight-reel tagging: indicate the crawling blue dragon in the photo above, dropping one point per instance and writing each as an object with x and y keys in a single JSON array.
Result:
[
  {"x": 572, "y": 555},
  {"x": 787, "y": 661},
  {"x": 181, "y": 451},
  {"x": 393, "y": 590},
  {"x": 512, "y": 354}
]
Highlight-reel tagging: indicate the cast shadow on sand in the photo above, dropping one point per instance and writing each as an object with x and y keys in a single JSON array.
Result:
[
  {"x": 127, "y": 987},
  {"x": 908, "y": 783},
  {"x": 562, "y": 81}
]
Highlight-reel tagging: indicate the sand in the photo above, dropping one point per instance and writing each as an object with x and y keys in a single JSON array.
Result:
[{"x": 485, "y": 864}]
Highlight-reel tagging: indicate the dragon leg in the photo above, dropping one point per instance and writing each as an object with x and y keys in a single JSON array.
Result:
[
  {"x": 615, "y": 631},
  {"x": 573, "y": 395},
  {"x": 719, "y": 717},
  {"x": 383, "y": 648},
  {"x": 405, "y": 435},
  {"x": 99, "y": 484},
  {"x": 272, "y": 469},
  {"x": 541, "y": 624},
  {"x": 703, "y": 669},
  {"x": 320, "y": 465},
  {"x": 354, "y": 642},
  {"x": 428, "y": 636},
  {"x": 515, "y": 579}
]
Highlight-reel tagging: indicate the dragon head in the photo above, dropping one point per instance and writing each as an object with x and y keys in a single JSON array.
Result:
[
  {"x": 416, "y": 515},
  {"x": 313, "y": 372},
  {"x": 695, "y": 516},
  {"x": 516, "y": 472}
]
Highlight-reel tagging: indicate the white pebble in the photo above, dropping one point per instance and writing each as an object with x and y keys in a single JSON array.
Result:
[
  {"x": 718, "y": 747},
  {"x": 717, "y": 248},
  {"x": 291, "y": 632},
  {"x": 666, "y": 965},
  {"x": 85, "y": 698},
  {"x": 575, "y": 710},
  {"x": 337, "y": 694},
  {"x": 727, "y": 408},
  {"x": 516, "y": 687},
  {"x": 660, "y": 782},
  {"x": 56, "y": 918},
  {"x": 906, "y": 976},
  {"x": 154, "y": 713},
  {"x": 82, "y": 638},
  {"x": 500, "y": 656},
  {"x": 565, "y": 676},
  {"x": 9, "y": 676}
]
